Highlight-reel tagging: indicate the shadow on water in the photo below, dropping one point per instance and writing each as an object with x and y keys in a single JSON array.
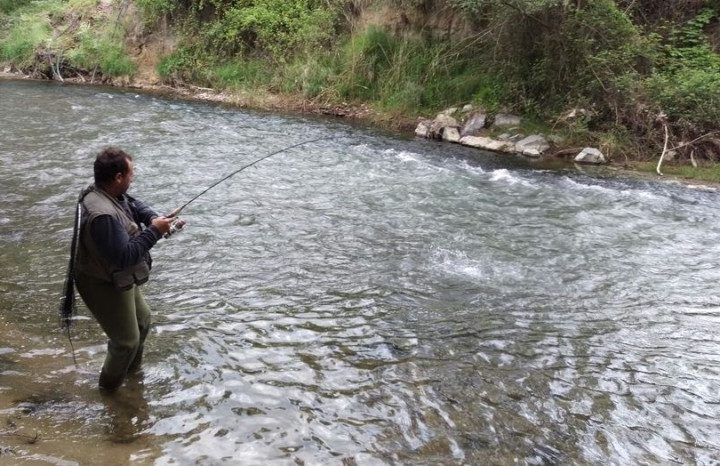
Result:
[{"x": 367, "y": 299}]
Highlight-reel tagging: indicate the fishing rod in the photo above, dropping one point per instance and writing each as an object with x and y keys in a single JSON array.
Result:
[
  {"x": 181, "y": 208},
  {"x": 178, "y": 224}
]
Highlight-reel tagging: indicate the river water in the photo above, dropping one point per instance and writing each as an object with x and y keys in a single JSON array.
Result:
[{"x": 365, "y": 299}]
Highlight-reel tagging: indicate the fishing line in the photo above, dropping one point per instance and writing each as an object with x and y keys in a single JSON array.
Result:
[
  {"x": 67, "y": 305},
  {"x": 177, "y": 212}
]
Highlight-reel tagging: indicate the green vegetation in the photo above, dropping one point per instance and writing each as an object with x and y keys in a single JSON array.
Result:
[
  {"x": 633, "y": 66},
  {"x": 709, "y": 173},
  {"x": 42, "y": 34}
]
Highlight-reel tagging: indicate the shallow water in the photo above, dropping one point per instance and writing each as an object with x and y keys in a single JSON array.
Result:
[{"x": 365, "y": 299}]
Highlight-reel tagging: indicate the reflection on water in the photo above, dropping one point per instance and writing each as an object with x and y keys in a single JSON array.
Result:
[{"x": 361, "y": 300}]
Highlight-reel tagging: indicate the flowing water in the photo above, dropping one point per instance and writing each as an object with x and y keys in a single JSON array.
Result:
[{"x": 365, "y": 299}]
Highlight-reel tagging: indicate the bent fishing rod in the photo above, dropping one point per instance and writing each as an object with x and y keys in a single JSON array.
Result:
[{"x": 177, "y": 211}]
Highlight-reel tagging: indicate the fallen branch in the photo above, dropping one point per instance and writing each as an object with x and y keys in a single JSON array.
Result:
[
  {"x": 662, "y": 156},
  {"x": 695, "y": 140}
]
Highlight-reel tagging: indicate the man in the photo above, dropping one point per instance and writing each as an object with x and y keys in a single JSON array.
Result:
[{"x": 113, "y": 260}]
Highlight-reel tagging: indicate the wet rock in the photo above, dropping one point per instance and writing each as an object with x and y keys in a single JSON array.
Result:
[
  {"x": 474, "y": 124},
  {"x": 532, "y": 146},
  {"x": 439, "y": 124},
  {"x": 423, "y": 129},
  {"x": 481, "y": 142},
  {"x": 475, "y": 141},
  {"x": 451, "y": 134},
  {"x": 503, "y": 120},
  {"x": 591, "y": 155}
]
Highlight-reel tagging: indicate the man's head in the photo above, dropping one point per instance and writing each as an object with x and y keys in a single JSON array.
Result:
[{"x": 113, "y": 170}]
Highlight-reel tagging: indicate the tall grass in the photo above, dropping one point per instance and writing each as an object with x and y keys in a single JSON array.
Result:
[
  {"x": 86, "y": 43},
  {"x": 22, "y": 39},
  {"x": 100, "y": 51},
  {"x": 411, "y": 74}
]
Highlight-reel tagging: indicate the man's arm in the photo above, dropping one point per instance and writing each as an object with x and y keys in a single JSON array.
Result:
[
  {"x": 115, "y": 244},
  {"x": 143, "y": 213}
]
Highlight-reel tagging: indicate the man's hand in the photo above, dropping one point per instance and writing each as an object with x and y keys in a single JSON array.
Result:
[{"x": 162, "y": 224}]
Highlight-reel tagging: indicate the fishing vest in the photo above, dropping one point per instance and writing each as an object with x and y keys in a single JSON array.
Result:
[{"x": 89, "y": 260}]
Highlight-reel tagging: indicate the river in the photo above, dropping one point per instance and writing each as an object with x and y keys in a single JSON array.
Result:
[{"x": 364, "y": 299}]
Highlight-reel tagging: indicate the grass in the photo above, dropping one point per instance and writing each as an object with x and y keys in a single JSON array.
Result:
[
  {"x": 24, "y": 36},
  {"x": 701, "y": 173},
  {"x": 83, "y": 46}
]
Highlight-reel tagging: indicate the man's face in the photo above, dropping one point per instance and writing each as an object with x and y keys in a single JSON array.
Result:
[{"x": 125, "y": 180}]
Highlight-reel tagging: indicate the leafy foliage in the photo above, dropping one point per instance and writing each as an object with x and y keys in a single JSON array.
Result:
[
  {"x": 277, "y": 28},
  {"x": 101, "y": 52},
  {"x": 687, "y": 83}
]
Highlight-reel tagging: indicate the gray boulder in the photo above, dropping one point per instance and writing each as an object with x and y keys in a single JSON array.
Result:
[
  {"x": 488, "y": 144},
  {"x": 439, "y": 124},
  {"x": 532, "y": 146},
  {"x": 591, "y": 155},
  {"x": 474, "y": 125},
  {"x": 451, "y": 134},
  {"x": 423, "y": 129},
  {"x": 503, "y": 120}
]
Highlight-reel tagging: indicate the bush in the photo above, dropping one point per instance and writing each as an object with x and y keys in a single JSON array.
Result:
[
  {"x": 686, "y": 84},
  {"x": 98, "y": 50},
  {"x": 277, "y": 28},
  {"x": 23, "y": 38},
  {"x": 154, "y": 9},
  {"x": 7, "y": 6}
]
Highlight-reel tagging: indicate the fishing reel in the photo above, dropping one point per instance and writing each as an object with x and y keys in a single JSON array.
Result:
[{"x": 176, "y": 225}]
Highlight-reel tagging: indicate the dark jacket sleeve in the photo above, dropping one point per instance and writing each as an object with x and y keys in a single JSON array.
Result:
[
  {"x": 141, "y": 211},
  {"x": 115, "y": 244}
]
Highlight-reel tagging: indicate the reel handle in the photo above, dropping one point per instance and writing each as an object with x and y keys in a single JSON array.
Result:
[{"x": 176, "y": 225}]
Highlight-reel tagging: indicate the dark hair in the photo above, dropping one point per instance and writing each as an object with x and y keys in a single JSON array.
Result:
[{"x": 109, "y": 162}]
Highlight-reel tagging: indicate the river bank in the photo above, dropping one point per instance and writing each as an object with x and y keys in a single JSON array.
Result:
[{"x": 697, "y": 177}]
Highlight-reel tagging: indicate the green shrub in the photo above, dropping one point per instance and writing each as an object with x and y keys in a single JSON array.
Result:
[
  {"x": 686, "y": 84},
  {"x": 24, "y": 37},
  {"x": 174, "y": 66},
  {"x": 689, "y": 96},
  {"x": 277, "y": 28},
  {"x": 7, "y": 6},
  {"x": 312, "y": 75},
  {"x": 98, "y": 50},
  {"x": 154, "y": 9}
]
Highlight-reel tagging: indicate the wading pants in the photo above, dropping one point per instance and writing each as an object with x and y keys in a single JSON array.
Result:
[{"x": 125, "y": 318}]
